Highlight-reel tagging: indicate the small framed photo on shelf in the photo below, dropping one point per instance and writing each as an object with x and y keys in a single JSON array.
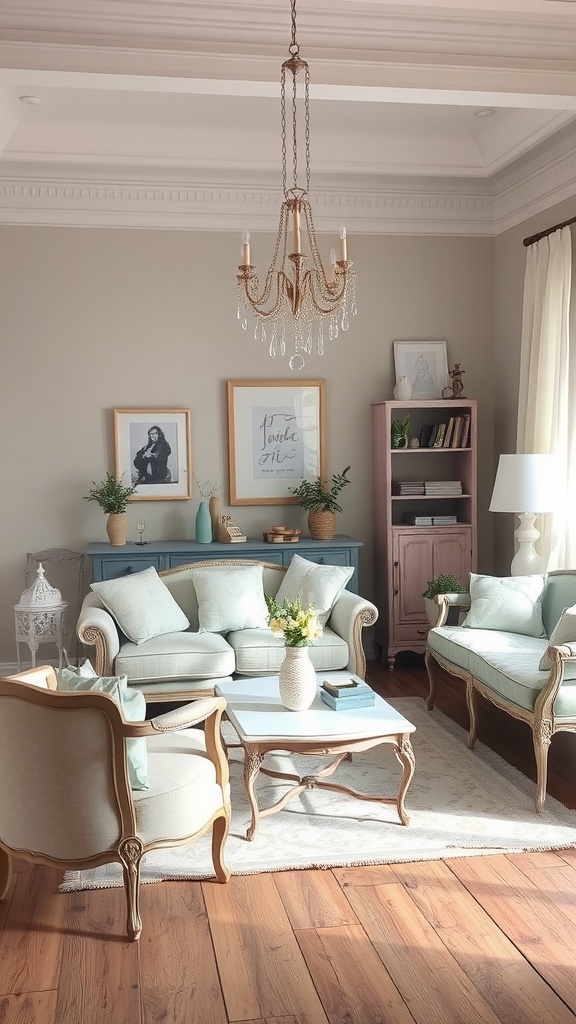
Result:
[
  {"x": 152, "y": 450},
  {"x": 275, "y": 439},
  {"x": 425, "y": 363}
]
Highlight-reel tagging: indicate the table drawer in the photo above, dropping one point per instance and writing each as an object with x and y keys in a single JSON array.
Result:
[{"x": 114, "y": 567}]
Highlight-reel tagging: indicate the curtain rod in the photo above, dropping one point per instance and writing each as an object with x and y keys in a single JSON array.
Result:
[{"x": 542, "y": 234}]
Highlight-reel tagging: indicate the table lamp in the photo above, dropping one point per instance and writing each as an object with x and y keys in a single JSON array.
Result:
[{"x": 526, "y": 482}]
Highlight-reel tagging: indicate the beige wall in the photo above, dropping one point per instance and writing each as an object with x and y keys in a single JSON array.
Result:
[{"x": 96, "y": 319}]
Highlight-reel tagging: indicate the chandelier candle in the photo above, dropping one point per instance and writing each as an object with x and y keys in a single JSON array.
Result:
[{"x": 296, "y": 301}]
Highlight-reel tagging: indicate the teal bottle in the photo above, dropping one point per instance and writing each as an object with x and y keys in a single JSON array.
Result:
[{"x": 203, "y": 524}]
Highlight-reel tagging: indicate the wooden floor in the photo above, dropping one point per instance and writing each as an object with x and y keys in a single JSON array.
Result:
[{"x": 465, "y": 940}]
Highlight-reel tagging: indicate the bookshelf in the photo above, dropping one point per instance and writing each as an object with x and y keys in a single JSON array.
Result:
[{"x": 425, "y": 512}]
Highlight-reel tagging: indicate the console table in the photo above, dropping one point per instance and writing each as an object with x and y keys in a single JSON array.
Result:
[{"x": 109, "y": 562}]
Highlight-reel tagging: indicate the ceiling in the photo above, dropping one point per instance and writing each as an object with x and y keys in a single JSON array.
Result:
[{"x": 165, "y": 113}]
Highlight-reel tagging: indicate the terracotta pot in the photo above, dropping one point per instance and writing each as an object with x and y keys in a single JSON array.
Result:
[
  {"x": 322, "y": 525},
  {"x": 297, "y": 679},
  {"x": 116, "y": 528}
]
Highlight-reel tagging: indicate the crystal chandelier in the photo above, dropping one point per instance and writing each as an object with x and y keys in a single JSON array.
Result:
[{"x": 298, "y": 304}]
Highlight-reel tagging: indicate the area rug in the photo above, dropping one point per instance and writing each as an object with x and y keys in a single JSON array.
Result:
[{"x": 461, "y": 803}]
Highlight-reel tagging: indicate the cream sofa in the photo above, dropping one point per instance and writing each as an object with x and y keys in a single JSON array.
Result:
[
  {"x": 516, "y": 646},
  {"x": 188, "y": 662}
]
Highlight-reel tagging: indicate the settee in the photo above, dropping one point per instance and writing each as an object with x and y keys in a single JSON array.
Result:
[
  {"x": 176, "y": 633},
  {"x": 516, "y": 646}
]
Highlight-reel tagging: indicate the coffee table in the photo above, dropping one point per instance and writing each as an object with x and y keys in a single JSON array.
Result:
[{"x": 263, "y": 724}]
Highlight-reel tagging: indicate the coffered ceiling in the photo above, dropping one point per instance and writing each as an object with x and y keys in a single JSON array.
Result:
[{"x": 458, "y": 118}]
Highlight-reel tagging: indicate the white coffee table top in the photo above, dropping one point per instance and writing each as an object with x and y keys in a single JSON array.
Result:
[{"x": 255, "y": 710}]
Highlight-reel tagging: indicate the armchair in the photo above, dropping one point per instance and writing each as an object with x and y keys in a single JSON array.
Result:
[{"x": 65, "y": 797}]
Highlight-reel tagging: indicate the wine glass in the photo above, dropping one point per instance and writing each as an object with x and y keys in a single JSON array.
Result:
[{"x": 140, "y": 526}]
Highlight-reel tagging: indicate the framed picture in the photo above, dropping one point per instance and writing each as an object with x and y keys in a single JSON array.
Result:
[
  {"x": 425, "y": 363},
  {"x": 275, "y": 439},
  {"x": 152, "y": 450}
]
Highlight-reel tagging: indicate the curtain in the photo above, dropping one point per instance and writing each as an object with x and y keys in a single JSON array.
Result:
[{"x": 546, "y": 419}]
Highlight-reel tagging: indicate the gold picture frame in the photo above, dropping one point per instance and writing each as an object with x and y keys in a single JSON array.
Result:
[
  {"x": 152, "y": 449},
  {"x": 276, "y": 434}
]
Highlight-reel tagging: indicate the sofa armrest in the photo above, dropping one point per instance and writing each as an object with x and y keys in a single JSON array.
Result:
[
  {"x": 348, "y": 618},
  {"x": 447, "y": 601},
  {"x": 96, "y": 628}
]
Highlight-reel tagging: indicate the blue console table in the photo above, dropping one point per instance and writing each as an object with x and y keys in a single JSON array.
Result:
[{"x": 109, "y": 562}]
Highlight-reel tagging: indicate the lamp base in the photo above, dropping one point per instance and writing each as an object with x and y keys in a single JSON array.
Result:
[{"x": 526, "y": 561}]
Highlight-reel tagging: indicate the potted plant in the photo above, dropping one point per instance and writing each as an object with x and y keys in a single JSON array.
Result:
[
  {"x": 399, "y": 433},
  {"x": 319, "y": 498},
  {"x": 113, "y": 498},
  {"x": 445, "y": 583}
]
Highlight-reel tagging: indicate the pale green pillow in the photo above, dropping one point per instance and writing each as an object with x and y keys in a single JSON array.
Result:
[
  {"x": 142, "y": 605},
  {"x": 512, "y": 604},
  {"x": 230, "y": 598},
  {"x": 318, "y": 585},
  {"x": 564, "y": 632},
  {"x": 132, "y": 703}
]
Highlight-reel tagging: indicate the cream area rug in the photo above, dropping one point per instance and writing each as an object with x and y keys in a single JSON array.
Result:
[{"x": 461, "y": 803}]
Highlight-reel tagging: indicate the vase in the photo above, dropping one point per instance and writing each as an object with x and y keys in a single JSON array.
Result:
[
  {"x": 403, "y": 390},
  {"x": 322, "y": 525},
  {"x": 215, "y": 506},
  {"x": 116, "y": 527},
  {"x": 297, "y": 679},
  {"x": 203, "y": 524}
]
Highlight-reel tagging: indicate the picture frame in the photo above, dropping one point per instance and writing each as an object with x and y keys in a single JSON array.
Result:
[
  {"x": 152, "y": 449},
  {"x": 425, "y": 362},
  {"x": 276, "y": 434}
]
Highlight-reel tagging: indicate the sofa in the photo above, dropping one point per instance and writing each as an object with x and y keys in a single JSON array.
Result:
[
  {"x": 513, "y": 641},
  {"x": 177, "y": 633}
]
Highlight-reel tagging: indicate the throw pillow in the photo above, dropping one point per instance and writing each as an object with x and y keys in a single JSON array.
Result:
[
  {"x": 318, "y": 585},
  {"x": 564, "y": 632},
  {"x": 230, "y": 598},
  {"x": 509, "y": 603},
  {"x": 133, "y": 707},
  {"x": 142, "y": 605}
]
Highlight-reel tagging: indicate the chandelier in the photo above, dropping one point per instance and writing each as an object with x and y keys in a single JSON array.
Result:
[{"x": 299, "y": 302}]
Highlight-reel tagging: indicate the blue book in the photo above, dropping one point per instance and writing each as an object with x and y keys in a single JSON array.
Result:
[
  {"x": 345, "y": 704},
  {"x": 347, "y": 689}
]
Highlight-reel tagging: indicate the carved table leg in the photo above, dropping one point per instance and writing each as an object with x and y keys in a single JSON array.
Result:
[
  {"x": 252, "y": 763},
  {"x": 405, "y": 755}
]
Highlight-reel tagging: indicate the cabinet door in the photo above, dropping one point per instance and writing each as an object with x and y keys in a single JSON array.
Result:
[{"x": 421, "y": 557}]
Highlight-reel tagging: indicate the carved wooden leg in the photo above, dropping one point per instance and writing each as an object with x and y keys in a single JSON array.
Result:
[
  {"x": 472, "y": 702},
  {"x": 5, "y": 874},
  {"x": 252, "y": 762},
  {"x": 432, "y": 670},
  {"x": 405, "y": 755},
  {"x": 131, "y": 851},
  {"x": 541, "y": 736},
  {"x": 219, "y": 836}
]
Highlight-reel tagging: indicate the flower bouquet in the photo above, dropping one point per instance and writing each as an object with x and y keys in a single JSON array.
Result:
[{"x": 296, "y": 624}]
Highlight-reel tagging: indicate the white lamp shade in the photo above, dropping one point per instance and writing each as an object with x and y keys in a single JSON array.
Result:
[{"x": 526, "y": 483}]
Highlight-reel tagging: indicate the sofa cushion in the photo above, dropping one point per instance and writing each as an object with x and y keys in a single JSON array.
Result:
[
  {"x": 230, "y": 598},
  {"x": 317, "y": 585},
  {"x": 142, "y": 605},
  {"x": 259, "y": 652},
  {"x": 177, "y": 656},
  {"x": 132, "y": 704},
  {"x": 510, "y": 603},
  {"x": 564, "y": 632}
]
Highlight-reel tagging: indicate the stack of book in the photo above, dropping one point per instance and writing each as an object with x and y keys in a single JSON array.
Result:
[
  {"x": 408, "y": 487},
  {"x": 444, "y": 488},
  {"x": 415, "y": 519},
  {"x": 346, "y": 695}
]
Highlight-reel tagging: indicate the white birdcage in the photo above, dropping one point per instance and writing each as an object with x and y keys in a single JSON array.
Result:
[
  {"x": 40, "y": 594},
  {"x": 40, "y": 617}
]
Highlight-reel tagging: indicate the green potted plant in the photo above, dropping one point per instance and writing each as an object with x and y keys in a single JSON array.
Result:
[
  {"x": 445, "y": 583},
  {"x": 320, "y": 499},
  {"x": 399, "y": 433},
  {"x": 113, "y": 498}
]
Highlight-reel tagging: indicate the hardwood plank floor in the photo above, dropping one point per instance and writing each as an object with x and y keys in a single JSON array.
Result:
[{"x": 485, "y": 939}]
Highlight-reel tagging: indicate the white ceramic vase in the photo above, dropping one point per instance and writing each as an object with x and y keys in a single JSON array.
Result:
[
  {"x": 403, "y": 390},
  {"x": 297, "y": 679}
]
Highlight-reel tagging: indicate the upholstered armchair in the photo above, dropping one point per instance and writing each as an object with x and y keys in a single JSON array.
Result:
[{"x": 65, "y": 796}]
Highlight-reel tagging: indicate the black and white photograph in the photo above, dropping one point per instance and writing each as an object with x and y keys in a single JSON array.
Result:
[{"x": 153, "y": 452}]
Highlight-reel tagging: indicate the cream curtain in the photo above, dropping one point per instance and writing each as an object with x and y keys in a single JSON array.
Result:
[{"x": 546, "y": 420}]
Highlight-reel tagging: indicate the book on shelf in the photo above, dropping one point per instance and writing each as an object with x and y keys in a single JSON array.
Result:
[
  {"x": 465, "y": 431},
  {"x": 407, "y": 487},
  {"x": 425, "y": 433},
  {"x": 440, "y": 435},
  {"x": 448, "y": 434},
  {"x": 432, "y": 437},
  {"x": 455, "y": 443},
  {"x": 443, "y": 488},
  {"x": 363, "y": 700},
  {"x": 346, "y": 688}
]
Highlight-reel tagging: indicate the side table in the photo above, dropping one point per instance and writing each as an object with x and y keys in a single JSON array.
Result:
[{"x": 37, "y": 625}]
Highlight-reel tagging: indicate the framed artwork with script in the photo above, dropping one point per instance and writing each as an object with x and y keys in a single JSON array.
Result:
[{"x": 275, "y": 439}]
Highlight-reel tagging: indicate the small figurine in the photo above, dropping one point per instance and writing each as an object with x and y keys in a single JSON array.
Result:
[{"x": 455, "y": 391}]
